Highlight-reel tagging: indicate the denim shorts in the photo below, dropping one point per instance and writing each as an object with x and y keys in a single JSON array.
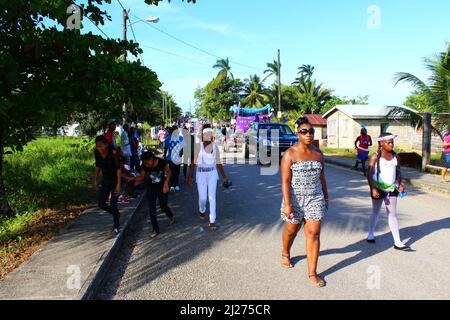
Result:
[{"x": 446, "y": 160}]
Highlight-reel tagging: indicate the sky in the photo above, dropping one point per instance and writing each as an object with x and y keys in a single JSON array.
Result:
[{"x": 356, "y": 46}]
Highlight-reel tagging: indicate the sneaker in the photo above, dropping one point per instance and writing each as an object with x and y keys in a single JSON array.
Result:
[
  {"x": 172, "y": 189},
  {"x": 125, "y": 200},
  {"x": 177, "y": 189}
]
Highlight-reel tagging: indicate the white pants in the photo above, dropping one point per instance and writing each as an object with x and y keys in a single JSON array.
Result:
[{"x": 207, "y": 186}]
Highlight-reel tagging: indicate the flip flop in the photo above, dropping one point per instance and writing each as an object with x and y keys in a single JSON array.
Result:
[
  {"x": 290, "y": 266},
  {"x": 320, "y": 284}
]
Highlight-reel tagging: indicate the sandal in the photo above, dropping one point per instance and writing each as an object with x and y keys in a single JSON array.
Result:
[
  {"x": 320, "y": 283},
  {"x": 290, "y": 266},
  {"x": 212, "y": 227},
  {"x": 154, "y": 235},
  {"x": 202, "y": 216}
]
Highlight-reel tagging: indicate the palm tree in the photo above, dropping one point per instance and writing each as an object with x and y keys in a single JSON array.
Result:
[
  {"x": 436, "y": 89},
  {"x": 255, "y": 93},
  {"x": 316, "y": 95},
  {"x": 224, "y": 66},
  {"x": 305, "y": 72},
  {"x": 272, "y": 69}
]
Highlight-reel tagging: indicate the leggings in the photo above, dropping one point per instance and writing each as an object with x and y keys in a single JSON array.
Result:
[
  {"x": 105, "y": 191},
  {"x": 391, "y": 208},
  {"x": 152, "y": 194},
  {"x": 175, "y": 179}
]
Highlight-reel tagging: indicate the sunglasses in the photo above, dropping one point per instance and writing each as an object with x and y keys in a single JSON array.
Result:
[{"x": 305, "y": 131}]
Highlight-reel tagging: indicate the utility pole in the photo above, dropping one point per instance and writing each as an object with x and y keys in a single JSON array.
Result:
[
  {"x": 426, "y": 141},
  {"x": 170, "y": 113},
  {"x": 163, "y": 109},
  {"x": 125, "y": 19},
  {"x": 279, "y": 83}
]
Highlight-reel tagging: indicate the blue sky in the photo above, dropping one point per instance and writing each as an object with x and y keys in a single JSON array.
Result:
[{"x": 331, "y": 35}]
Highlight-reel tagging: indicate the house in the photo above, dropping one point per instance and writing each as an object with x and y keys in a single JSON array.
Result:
[
  {"x": 320, "y": 125},
  {"x": 344, "y": 124}
]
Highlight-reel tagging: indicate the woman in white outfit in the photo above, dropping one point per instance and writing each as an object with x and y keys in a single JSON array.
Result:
[{"x": 206, "y": 163}]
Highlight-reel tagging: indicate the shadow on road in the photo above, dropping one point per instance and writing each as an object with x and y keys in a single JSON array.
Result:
[{"x": 251, "y": 205}]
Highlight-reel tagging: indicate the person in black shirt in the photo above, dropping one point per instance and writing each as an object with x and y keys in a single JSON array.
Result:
[
  {"x": 107, "y": 161},
  {"x": 157, "y": 174}
]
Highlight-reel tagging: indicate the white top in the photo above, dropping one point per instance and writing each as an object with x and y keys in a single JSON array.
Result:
[
  {"x": 206, "y": 159},
  {"x": 388, "y": 171}
]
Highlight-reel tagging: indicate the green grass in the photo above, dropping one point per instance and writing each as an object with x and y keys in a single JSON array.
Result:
[{"x": 51, "y": 173}]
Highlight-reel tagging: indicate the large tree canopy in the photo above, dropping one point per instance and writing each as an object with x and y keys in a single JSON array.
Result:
[{"x": 48, "y": 72}]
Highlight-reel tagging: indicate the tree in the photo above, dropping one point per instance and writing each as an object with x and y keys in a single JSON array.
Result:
[
  {"x": 256, "y": 95},
  {"x": 48, "y": 74},
  {"x": 431, "y": 96},
  {"x": 224, "y": 66},
  {"x": 215, "y": 100}
]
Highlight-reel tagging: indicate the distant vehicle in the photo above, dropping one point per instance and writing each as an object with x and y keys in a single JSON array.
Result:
[{"x": 254, "y": 139}]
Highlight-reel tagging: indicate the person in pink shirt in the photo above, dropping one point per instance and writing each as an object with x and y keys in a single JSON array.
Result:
[
  {"x": 446, "y": 155},
  {"x": 162, "y": 135}
]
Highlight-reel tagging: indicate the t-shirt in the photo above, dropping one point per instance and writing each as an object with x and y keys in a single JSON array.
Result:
[
  {"x": 447, "y": 140},
  {"x": 110, "y": 136},
  {"x": 125, "y": 144},
  {"x": 175, "y": 149},
  {"x": 109, "y": 165},
  {"x": 162, "y": 135},
  {"x": 155, "y": 176}
]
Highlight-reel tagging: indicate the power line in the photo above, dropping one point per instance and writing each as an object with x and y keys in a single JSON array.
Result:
[
  {"x": 197, "y": 48},
  {"x": 121, "y": 4},
  {"x": 97, "y": 27},
  {"x": 172, "y": 54}
]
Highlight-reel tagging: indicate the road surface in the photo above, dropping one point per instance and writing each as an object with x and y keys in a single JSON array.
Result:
[{"x": 242, "y": 259}]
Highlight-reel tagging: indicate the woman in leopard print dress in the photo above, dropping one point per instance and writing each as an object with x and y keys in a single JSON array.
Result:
[{"x": 305, "y": 197}]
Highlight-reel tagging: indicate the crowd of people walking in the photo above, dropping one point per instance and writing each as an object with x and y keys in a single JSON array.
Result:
[{"x": 304, "y": 202}]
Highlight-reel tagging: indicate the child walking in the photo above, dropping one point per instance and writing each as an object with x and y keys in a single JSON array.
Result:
[{"x": 385, "y": 183}]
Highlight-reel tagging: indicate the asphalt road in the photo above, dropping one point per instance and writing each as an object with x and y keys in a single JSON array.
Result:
[{"x": 241, "y": 260}]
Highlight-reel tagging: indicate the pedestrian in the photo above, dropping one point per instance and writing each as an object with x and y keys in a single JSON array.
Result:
[
  {"x": 125, "y": 143},
  {"x": 446, "y": 155},
  {"x": 110, "y": 133},
  {"x": 162, "y": 135},
  {"x": 362, "y": 145},
  {"x": 305, "y": 197},
  {"x": 175, "y": 147},
  {"x": 134, "y": 145},
  {"x": 206, "y": 163},
  {"x": 385, "y": 184},
  {"x": 108, "y": 163},
  {"x": 156, "y": 172}
]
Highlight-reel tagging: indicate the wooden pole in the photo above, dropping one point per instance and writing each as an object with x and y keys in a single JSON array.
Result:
[{"x": 426, "y": 141}]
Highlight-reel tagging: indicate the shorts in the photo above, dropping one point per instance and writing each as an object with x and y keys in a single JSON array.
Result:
[
  {"x": 384, "y": 194},
  {"x": 305, "y": 208},
  {"x": 446, "y": 159},
  {"x": 363, "y": 156}
]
